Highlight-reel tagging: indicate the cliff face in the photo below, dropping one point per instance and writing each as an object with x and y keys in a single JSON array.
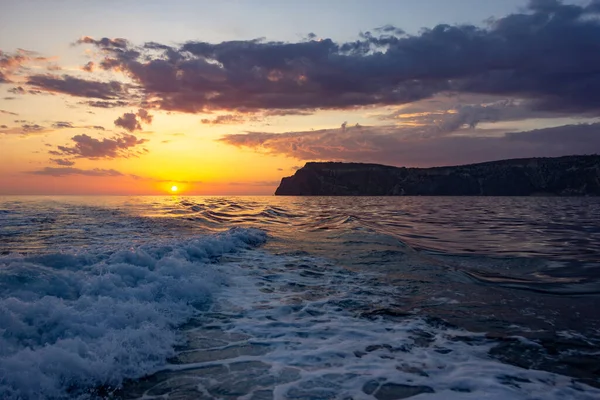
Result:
[{"x": 563, "y": 176}]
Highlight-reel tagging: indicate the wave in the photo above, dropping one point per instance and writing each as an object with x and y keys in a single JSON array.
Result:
[{"x": 72, "y": 322}]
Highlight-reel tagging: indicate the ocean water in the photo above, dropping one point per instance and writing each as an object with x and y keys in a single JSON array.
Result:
[{"x": 299, "y": 298}]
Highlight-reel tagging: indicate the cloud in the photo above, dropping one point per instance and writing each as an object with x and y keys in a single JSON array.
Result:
[
  {"x": 11, "y": 64},
  {"x": 145, "y": 117},
  {"x": 8, "y": 112},
  {"x": 224, "y": 119},
  {"x": 104, "y": 42},
  {"x": 62, "y": 161},
  {"x": 73, "y": 86},
  {"x": 281, "y": 113},
  {"x": 105, "y": 104},
  {"x": 89, "y": 66},
  {"x": 447, "y": 113},
  {"x": 62, "y": 124},
  {"x": 28, "y": 128},
  {"x": 122, "y": 146},
  {"x": 548, "y": 54},
  {"x": 67, "y": 171},
  {"x": 21, "y": 91},
  {"x": 129, "y": 121},
  {"x": 404, "y": 146}
]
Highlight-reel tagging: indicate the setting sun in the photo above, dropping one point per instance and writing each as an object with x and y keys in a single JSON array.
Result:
[{"x": 174, "y": 188}]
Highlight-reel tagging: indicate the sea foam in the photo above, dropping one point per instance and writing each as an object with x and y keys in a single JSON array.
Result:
[{"x": 72, "y": 322}]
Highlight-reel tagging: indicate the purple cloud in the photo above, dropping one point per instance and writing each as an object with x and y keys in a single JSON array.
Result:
[
  {"x": 67, "y": 171},
  {"x": 62, "y": 124},
  {"x": 548, "y": 54},
  {"x": 122, "y": 146},
  {"x": 224, "y": 119},
  {"x": 70, "y": 85},
  {"x": 62, "y": 161},
  {"x": 404, "y": 146},
  {"x": 129, "y": 121}
]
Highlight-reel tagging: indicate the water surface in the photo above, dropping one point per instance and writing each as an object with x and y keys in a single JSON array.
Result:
[{"x": 299, "y": 297}]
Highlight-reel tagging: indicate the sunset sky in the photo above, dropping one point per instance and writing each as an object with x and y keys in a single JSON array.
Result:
[{"x": 227, "y": 97}]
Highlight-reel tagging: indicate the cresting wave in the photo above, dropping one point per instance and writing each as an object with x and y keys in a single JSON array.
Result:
[{"x": 74, "y": 322}]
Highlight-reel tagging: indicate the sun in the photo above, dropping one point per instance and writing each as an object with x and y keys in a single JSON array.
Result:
[{"x": 174, "y": 189}]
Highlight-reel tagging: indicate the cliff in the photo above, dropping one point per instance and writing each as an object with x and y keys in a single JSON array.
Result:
[{"x": 562, "y": 176}]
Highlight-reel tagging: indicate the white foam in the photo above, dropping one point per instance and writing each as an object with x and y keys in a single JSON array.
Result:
[
  {"x": 74, "y": 322},
  {"x": 305, "y": 321}
]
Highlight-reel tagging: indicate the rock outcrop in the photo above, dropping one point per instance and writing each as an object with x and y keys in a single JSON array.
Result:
[{"x": 560, "y": 176}]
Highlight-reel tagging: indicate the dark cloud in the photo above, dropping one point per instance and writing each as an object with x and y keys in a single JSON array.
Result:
[
  {"x": 446, "y": 114},
  {"x": 88, "y": 67},
  {"x": 280, "y": 113},
  {"x": 28, "y": 128},
  {"x": 104, "y": 42},
  {"x": 548, "y": 54},
  {"x": 67, "y": 171},
  {"x": 129, "y": 122},
  {"x": 105, "y": 104},
  {"x": 73, "y": 86},
  {"x": 3, "y": 78},
  {"x": 21, "y": 91},
  {"x": 98, "y": 127},
  {"x": 408, "y": 147},
  {"x": 122, "y": 146},
  {"x": 62, "y": 124},
  {"x": 145, "y": 117},
  {"x": 62, "y": 161},
  {"x": 224, "y": 119},
  {"x": 8, "y": 112}
]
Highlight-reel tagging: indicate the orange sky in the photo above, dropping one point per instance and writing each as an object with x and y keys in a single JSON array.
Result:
[{"x": 107, "y": 100}]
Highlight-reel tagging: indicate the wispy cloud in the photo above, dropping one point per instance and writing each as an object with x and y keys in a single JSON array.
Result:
[
  {"x": 403, "y": 146},
  {"x": 68, "y": 171},
  {"x": 73, "y": 86},
  {"x": 224, "y": 119},
  {"x": 62, "y": 161},
  {"x": 85, "y": 146}
]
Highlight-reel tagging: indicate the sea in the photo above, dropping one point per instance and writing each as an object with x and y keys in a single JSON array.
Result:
[{"x": 256, "y": 298}]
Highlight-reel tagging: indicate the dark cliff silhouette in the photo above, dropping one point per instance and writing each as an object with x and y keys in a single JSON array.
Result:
[{"x": 562, "y": 176}]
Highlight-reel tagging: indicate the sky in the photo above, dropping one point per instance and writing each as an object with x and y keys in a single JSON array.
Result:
[{"x": 226, "y": 98}]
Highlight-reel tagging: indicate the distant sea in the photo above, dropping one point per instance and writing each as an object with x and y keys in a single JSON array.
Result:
[{"x": 299, "y": 298}]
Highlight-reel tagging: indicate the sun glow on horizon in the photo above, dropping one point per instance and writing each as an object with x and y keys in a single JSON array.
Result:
[{"x": 174, "y": 189}]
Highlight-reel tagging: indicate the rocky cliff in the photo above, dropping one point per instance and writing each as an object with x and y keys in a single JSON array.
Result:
[{"x": 563, "y": 176}]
